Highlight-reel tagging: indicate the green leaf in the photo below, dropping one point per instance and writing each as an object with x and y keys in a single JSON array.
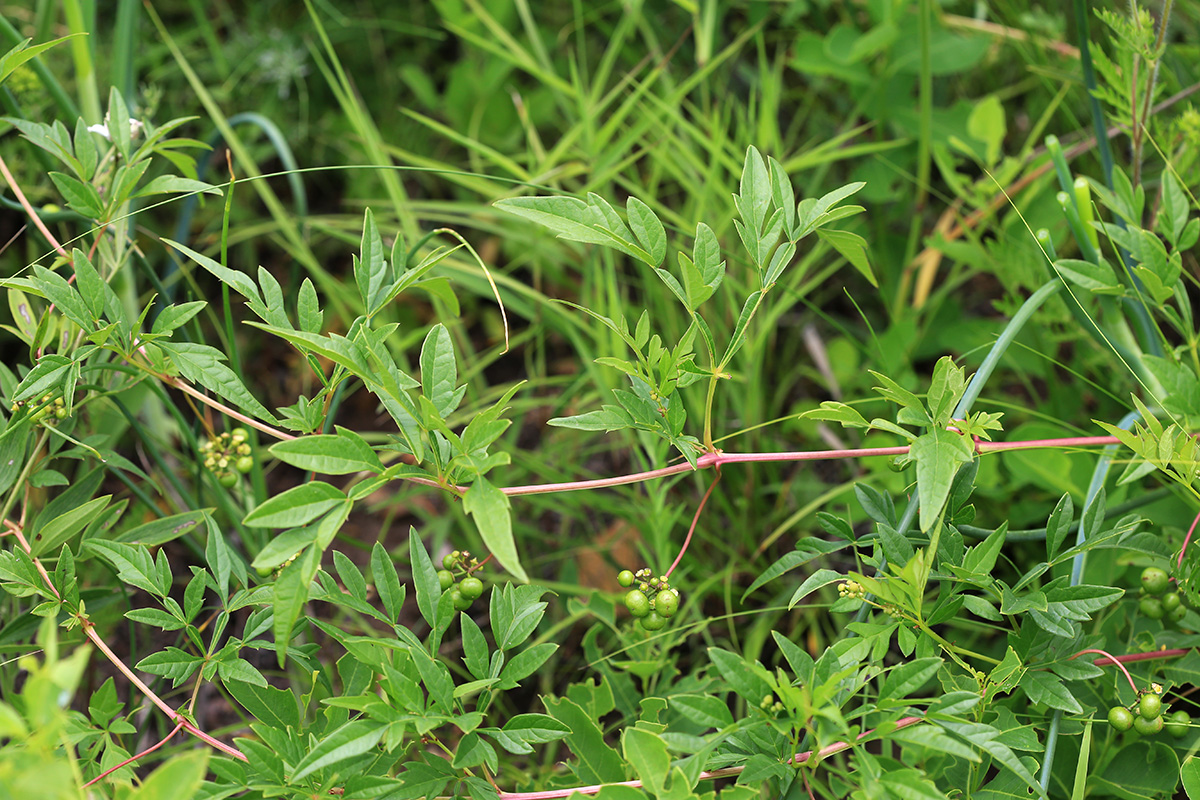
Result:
[
  {"x": 176, "y": 316},
  {"x": 908, "y": 678},
  {"x": 986, "y": 124},
  {"x": 290, "y": 595},
  {"x": 593, "y": 222},
  {"x": 597, "y": 762},
  {"x": 534, "y": 729},
  {"x": 822, "y": 577},
  {"x": 23, "y": 51},
  {"x": 370, "y": 269},
  {"x": 439, "y": 371},
  {"x": 422, "y": 779},
  {"x": 805, "y": 551},
  {"x": 172, "y": 663},
  {"x": 238, "y": 281},
  {"x": 133, "y": 563},
  {"x": 425, "y": 580},
  {"x": 350, "y": 740},
  {"x": 201, "y": 364},
  {"x": 81, "y": 197},
  {"x": 1059, "y": 525},
  {"x": 648, "y": 755},
  {"x": 296, "y": 506},
  {"x": 179, "y": 776},
  {"x": 833, "y": 411},
  {"x": 341, "y": 454},
  {"x": 1044, "y": 687},
  {"x": 117, "y": 119},
  {"x": 489, "y": 507},
  {"x": 609, "y": 418},
  {"x": 853, "y": 248},
  {"x": 703, "y": 709},
  {"x": 1086, "y": 275},
  {"x": 648, "y": 229},
  {"x": 268, "y": 705},
  {"x": 387, "y": 582},
  {"x": 58, "y": 530},
  {"x": 49, "y": 373},
  {"x": 170, "y": 184},
  {"x": 1140, "y": 771},
  {"x": 938, "y": 454},
  {"x": 746, "y": 678},
  {"x": 1189, "y": 774},
  {"x": 160, "y": 531}
]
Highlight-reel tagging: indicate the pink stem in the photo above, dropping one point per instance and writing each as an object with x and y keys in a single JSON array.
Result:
[
  {"x": 1111, "y": 659},
  {"x": 37, "y": 221},
  {"x": 688, "y": 539},
  {"x": 1186, "y": 539},
  {"x": 799, "y": 758},
  {"x": 131, "y": 759},
  {"x": 1148, "y": 656}
]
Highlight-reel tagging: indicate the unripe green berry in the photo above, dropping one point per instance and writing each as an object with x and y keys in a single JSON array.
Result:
[
  {"x": 637, "y": 603},
  {"x": 461, "y": 603},
  {"x": 1147, "y": 727},
  {"x": 445, "y": 578},
  {"x": 244, "y": 464},
  {"x": 625, "y": 578},
  {"x": 1150, "y": 706},
  {"x": 653, "y": 621},
  {"x": 1120, "y": 718},
  {"x": 1151, "y": 607},
  {"x": 449, "y": 560},
  {"x": 1177, "y": 724},
  {"x": 1171, "y": 600},
  {"x": 471, "y": 587},
  {"x": 666, "y": 603},
  {"x": 1155, "y": 581},
  {"x": 227, "y": 479}
]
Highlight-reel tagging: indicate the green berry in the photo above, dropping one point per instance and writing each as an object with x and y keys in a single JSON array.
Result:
[
  {"x": 1120, "y": 718},
  {"x": 238, "y": 435},
  {"x": 461, "y": 602},
  {"x": 264, "y": 572},
  {"x": 1151, "y": 607},
  {"x": 1150, "y": 706},
  {"x": 471, "y": 588},
  {"x": 1171, "y": 601},
  {"x": 227, "y": 479},
  {"x": 244, "y": 464},
  {"x": 625, "y": 578},
  {"x": 666, "y": 603},
  {"x": 637, "y": 603},
  {"x": 654, "y": 621},
  {"x": 445, "y": 578},
  {"x": 1147, "y": 727},
  {"x": 1177, "y": 613},
  {"x": 1178, "y": 723},
  {"x": 449, "y": 560},
  {"x": 1155, "y": 580}
]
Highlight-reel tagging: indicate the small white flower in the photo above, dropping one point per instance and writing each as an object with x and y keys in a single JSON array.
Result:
[{"x": 135, "y": 128}]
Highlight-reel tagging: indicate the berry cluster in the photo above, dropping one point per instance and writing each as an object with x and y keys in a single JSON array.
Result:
[
  {"x": 770, "y": 705},
  {"x": 226, "y": 450},
  {"x": 652, "y": 601},
  {"x": 851, "y": 589},
  {"x": 48, "y": 411},
  {"x": 1149, "y": 717},
  {"x": 1156, "y": 602},
  {"x": 469, "y": 587}
]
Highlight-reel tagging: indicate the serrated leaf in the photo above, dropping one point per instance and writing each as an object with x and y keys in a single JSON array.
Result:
[{"x": 202, "y": 364}]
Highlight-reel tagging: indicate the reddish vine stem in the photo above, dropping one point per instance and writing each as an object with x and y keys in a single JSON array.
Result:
[
  {"x": 1109, "y": 658},
  {"x": 695, "y": 519},
  {"x": 1186, "y": 539},
  {"x": 1150, "y": 655},
  {"x": 133, "y": 758}
]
